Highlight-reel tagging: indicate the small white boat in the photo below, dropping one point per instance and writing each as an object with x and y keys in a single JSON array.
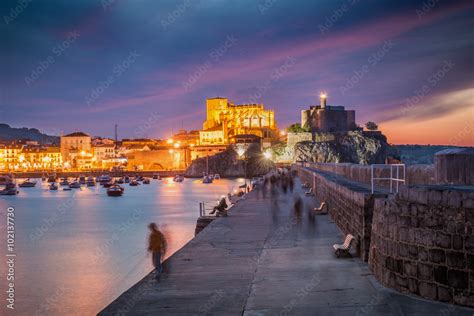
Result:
[
  {"x": 27, "y": 184},
  {"x": 178, "y": 178},
  {"x": 146, "y": 181},
  {"x": 4, "y": 180},
  {"x": 217, "y": 176}
]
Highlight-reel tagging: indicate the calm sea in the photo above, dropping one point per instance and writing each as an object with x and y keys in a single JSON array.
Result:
[{"x": 78, "y": 250}]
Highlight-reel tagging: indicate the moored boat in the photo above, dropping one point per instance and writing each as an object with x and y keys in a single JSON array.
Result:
[
  {"x": 115, "y": 190},
  {"x": 146, "y": 181},
  {"x": 64, "y": 182},
  {"x": 82, "y": 180},
  {"x": 90, "y": 182},
  {"x": 217, "y": 176},
  {"x": 126, "y": 179},
  {"x": 108, "y": 184},
  {"x": 27, "y": 184},
  {"x": 156, "y": 176},
  {"x": 120, "y": 180},
  {"x": 53, "y": 186},
  {"x": 10, "y": 189},
  {"x": 4, "y": 180},
  {"x": 104, "y": 178},
  {"x": 178, "y": 178},
  {"x": 207, "y": 179},
  {"x": 134, "y": 183},
  {"x": 75, "y": 185}
]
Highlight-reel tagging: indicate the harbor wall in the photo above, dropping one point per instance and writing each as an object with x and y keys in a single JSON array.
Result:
[
  {"x": 419, "y": 241},
  {"x": 415, "y": 174},
  {"x": 422, "y": 242}
]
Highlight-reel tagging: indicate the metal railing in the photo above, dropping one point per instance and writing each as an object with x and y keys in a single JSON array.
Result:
[{"x": 393, "y": 167}]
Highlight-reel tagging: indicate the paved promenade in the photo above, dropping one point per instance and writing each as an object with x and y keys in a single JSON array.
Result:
[{"x": 267, "y": 259}]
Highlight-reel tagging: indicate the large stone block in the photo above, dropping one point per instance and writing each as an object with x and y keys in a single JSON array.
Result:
[
  {"x": 457, "y": 242},
  {"x": 437, "y": 256},
  {"x": 456, "y": 259},
  {"x": 425, "y": 271},
  {"x": 427, "y": 290},
  {"x": 443, "y": 240},
  {"x": 441, "y": 274},
  {"x": 445, "y": 294},
  {"x": 458, "y": 279}
]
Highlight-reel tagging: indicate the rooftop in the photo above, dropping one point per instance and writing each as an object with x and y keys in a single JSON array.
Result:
[{"x": 77, "y": 134}]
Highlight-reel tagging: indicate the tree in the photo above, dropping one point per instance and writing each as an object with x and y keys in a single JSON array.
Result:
[
  {"x": 371, "y": 126},
  {"x": 296, "y": 128}
]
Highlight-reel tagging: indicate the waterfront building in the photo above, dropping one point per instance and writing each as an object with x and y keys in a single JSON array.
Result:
[
  {"x": 10, "y": 157},
  {"x": 76, "y": 150},
  {"x": 159, "y": 158},
  {"x": 103, "y": 155},
  {"x": 42, "y": 158},
  {"x": 225, "y": 120},
  {"x": 17, "y": 157},
  {"x": 325, "y": 118}
]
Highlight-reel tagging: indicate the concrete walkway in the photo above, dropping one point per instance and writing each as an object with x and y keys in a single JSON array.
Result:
[{"x": 265, "y": 259}]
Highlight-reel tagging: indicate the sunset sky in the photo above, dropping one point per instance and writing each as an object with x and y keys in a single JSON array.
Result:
[{"x": 87, "y": 65}]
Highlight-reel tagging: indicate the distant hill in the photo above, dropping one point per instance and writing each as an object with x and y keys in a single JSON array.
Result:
[
  {"x": 11, "y": 133},
  {"x": 420, "y": 154}
]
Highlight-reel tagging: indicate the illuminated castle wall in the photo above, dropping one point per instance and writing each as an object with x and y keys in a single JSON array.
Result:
[
  {"x": 225, "y": 120},
  {"x": 328, "y": 118}
]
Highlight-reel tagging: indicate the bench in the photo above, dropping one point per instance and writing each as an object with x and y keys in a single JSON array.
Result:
[
  {"x": 309, "y": 192},
  {"x": 319, "y": 210},
  {"x": 344, "y": 248}
]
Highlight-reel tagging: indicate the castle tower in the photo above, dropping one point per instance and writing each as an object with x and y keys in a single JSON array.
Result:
[{"x": 322, "y": 99}]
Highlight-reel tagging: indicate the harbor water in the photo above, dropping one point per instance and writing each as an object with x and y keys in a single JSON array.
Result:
[{"x": 76, "y": 251}]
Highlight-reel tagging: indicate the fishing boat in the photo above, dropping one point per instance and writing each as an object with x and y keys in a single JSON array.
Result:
[
  {"x": 217, "y": 176},
  {"x": 10, "y": 189},
  {"x": 134, "y": 183},
  {"x": 27, "y": 184},
  {"x": 53, "y": 186},
  {"x": 120, "y": 181},
  {"x": 67, "y": 189},
  {"x": 74, "y": 185},
  {"x": 108, "y": 184},
  {"x": 126, "y": 179},
  {"x": 90, "y": 182},
  {"x": 156, "y": 176},
  {"x": 104, "y": 178},
  {"x": 207, "y": 179},
  {"x": 115, "y": 190},
  {"x": 64, "y": 182},
  {"x": 82, "y": 180},
  {"x": 178, "y": 178},
  {"x": 139, "y": 178},
  {"x": 146, "y": 181}
]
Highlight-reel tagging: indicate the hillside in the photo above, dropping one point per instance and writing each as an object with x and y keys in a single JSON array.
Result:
[
  {"x": 8, "y": 133},
  {"x": 419, "y": 154}
]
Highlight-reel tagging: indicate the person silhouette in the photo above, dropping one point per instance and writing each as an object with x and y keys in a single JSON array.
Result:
[{"x": 157, "y": 247}]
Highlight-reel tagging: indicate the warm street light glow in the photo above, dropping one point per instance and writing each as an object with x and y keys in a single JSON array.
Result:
[
  {"x": 170, "y": 141},
  {"x": 267, "y": 155},
  {"x": 176, "y": 145},
  {"x": 282, "y": 132},
  {"x": 83, "y": 153},
  {"x": 323, "y": 95},
  {"x": 170, "y": 151}
]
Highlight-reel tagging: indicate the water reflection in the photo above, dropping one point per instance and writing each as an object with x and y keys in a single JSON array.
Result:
[{"x": 78, "y": 250}]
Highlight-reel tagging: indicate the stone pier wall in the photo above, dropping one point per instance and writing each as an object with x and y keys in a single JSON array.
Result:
[
  {"x": 415, "y": 174},
  {"x": 422, "y": 242},
  {"x": 349, "y": 204}
]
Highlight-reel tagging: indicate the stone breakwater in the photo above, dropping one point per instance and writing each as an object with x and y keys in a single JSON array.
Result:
[
  {"x": 419, "y": 241},
  {"x": 423, "y": 243}
]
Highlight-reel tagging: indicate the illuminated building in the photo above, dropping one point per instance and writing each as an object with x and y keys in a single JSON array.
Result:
[
  {"x": 10, "y": 157},
  {"x": 17, "y": 157},
  {"x": 225, "y": 120},
  {"x": 76, "y": 150},
  {"x": 325, "y": 118}
]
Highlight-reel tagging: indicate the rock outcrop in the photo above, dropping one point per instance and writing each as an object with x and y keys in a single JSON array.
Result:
[
  {"x": 228, "y": 164},
  {"x": 355, "y": 147}
]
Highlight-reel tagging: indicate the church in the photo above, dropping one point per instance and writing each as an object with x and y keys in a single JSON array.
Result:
[{"x": 226, "y": 122}]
